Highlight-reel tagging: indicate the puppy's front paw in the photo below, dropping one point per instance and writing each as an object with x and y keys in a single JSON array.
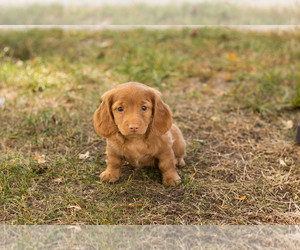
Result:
[
  {"x": 180, "y": 162},
  {"x": 171, "y": 180},
  {"x": 109, "y": 176}
]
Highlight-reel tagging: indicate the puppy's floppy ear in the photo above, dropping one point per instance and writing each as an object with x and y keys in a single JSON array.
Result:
[
  {"x": 104, "y": 123},
  {"x": 162, "y": 115}
]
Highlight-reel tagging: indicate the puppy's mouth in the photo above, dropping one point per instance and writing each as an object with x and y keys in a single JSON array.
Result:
[
  {"x": 134, "y": 133},
  {"x": 131, "y": 133}
]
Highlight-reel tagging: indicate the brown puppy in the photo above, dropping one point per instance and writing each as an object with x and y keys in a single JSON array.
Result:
[{"x": 138, "y": 127}]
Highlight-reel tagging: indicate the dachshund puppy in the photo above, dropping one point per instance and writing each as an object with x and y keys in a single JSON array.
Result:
[{"x": 138, "y": 127}]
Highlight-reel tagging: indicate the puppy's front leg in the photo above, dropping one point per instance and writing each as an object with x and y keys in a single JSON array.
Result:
[
  {"x": 112, "y": 172},
  {"x": 167, "y": 167}
]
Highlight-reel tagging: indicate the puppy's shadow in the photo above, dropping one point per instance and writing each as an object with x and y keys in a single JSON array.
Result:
[{"x": 147, "y": 173}]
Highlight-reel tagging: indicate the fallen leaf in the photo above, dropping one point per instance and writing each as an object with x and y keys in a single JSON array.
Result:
[
  {"x": 215, "y": 118},
  {"x": 84, "y": 156},
  {"x": 19, "y": 63},
  {"x": 40, "y": 159},
  {"x": 58, "y": 180},
  {"x": 287, "y": 124},
  {"x": 269, "y": 219},
  {"x": 282, "y": 162},
  {"x": 135, "y": 205},
  {"x": 74, "y": 207},
  {"x": 233, "y": 57},
  {"x": 227, "y": 78},
  {"x": 240, "y": 198},
  {"x": 104, "y": 44}
]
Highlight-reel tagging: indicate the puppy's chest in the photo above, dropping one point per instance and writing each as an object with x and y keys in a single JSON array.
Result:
[{"x": 137, "y": 153}]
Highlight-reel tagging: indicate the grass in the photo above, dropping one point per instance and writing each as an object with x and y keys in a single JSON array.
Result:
[
  {"x": 231, "y": 92},
  {"x": 205, "y": 13}
]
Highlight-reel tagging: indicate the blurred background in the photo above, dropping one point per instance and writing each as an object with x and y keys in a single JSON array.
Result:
[
  {"x": 150, "y": 12},
  {"x": 120, "y": 2}
]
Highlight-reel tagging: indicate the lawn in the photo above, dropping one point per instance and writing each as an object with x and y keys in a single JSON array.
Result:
[{"x": 234, "y": 94}]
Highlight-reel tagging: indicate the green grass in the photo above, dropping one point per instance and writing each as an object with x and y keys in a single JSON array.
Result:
[
  {"x": 204, "y": 13},
  {"x": 229, "y": 92}
]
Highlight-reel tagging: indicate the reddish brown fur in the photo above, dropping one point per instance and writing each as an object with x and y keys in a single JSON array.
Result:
[{"x": 142, "y": 137}]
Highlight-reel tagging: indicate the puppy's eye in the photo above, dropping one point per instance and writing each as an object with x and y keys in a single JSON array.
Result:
[
  {"x": 120, "y": 109},
  {"x": 144, "y": 108}
]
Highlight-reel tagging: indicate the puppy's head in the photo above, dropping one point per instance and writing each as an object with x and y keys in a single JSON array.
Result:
[{"x": 132, "y": 108}]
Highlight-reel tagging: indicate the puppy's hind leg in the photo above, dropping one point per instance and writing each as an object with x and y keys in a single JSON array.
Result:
[{"x": 178, "y": 145}]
